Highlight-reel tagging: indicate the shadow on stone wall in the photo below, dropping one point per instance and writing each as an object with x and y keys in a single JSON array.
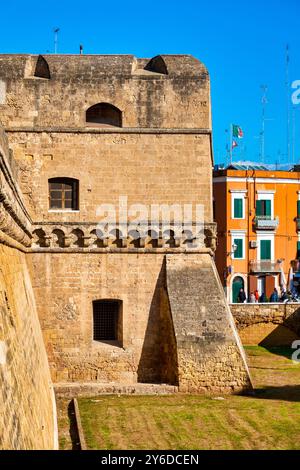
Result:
[
  {"x": 158, "y": 362},
  {"x": 280, "y": 336},
  {"x": 268, "y": 325}
]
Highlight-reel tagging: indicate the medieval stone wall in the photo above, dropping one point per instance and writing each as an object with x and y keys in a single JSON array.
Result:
[
  {"x": 27, "y": 403},
  {"x": 267, "y": 324},
  {"x": 161, "y": 154},
  {"x": 146, "y": 168},
  {"x": 179, "y": 98},
  {"x": 172, "y": 331},
  {"x": 65, "y": 286},
  {"x": 210, "y": 355}
]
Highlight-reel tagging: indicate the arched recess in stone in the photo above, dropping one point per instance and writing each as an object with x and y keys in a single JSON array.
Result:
[
  {"x": 152, "y": 239},
  {"x": 39, "y": 238},
  {"x": 97, "y": 239},
  {"x": 77, "y": 236},
  {"x": 157, "y": 65},
  {"x": 135, "y": 240},
  {"x": 169, "y": 236},
  {"x": 58, "y": 239},
  {"x": 42, "y": 68},
  {"x": 117, "y": 238},
  {"x": 104, "y": 115}
]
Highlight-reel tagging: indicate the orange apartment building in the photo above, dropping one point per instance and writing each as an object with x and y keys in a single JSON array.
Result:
[{"x": 258, "y": 218}]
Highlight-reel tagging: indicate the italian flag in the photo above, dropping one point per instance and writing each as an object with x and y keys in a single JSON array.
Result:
[{"x": 237, "y": 131}]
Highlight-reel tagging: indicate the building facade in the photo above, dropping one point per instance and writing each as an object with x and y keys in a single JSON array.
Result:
[{"x": 258, "y": 216}]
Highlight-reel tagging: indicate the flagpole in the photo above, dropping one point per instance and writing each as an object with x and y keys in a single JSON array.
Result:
[{"x": 231, "y": 137}]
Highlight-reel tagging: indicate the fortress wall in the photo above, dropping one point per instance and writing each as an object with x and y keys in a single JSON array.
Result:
[
  {"x": 267, "y": 324},
  {"x": 162, "y": 153},
  {"x": 65, "y": 285},
  {"x": 210, "y": 355},
  {"x": 173, "y": 330},
  {"x": 148, "y": 168},
  {"x": 179, "y": 99},
  {"x": 27, "y": 404}
]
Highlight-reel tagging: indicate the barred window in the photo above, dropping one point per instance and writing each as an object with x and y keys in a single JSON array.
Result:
[
  {"x": 63, "y": 193},
  {"x": 107, "y": 320}
]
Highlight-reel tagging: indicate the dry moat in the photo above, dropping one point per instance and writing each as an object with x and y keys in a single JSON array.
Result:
[{"x": 270, "y": 419}]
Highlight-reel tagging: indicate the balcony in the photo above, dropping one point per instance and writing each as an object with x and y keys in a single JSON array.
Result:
[
  {"x": 266, "y": 222},
  {"x": 265, "y": 267}
]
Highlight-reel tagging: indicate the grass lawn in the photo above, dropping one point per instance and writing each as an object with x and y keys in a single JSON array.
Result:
[{"x": 268, "y": 420}]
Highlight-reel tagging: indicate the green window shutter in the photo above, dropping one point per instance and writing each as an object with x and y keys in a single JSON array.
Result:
[
  {"x": 265, "y": 249},
  {"x": 239, "y": 250},
  {"x": 298, "y": 209},
  {"x": 298, "y": 250},
  {"x": 268, "y": 207},
  {"x": 259, "y": 208},
  {"x": 238, "y": 208}
]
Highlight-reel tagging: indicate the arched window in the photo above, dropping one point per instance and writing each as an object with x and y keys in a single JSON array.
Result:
[
  {"x": 63, "y": 193},
  {"x": 107, "y": 320},
  {"x": 42, "y": 68},
  {"x": 104, "y": 115}
]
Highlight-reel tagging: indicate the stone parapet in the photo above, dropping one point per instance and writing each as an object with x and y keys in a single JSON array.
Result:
[
  {"x": 15, "y": 222},
  {"x": 85, "y": 236}
]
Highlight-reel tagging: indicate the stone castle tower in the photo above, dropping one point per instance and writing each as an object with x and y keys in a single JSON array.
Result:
[{"x": 81, "y": 131}]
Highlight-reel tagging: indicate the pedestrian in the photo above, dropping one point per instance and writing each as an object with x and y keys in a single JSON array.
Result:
[
  {"x": 274, "y": 296},
  {"x": 252, "y": 298},
  {"x": 242, "y": 296},
  {"x": 256, "y": 296},
  {"x": 263, "y": 298}
]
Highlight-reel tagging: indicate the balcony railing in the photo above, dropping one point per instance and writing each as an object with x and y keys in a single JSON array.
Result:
[
  {"x": 265, "y": 266},
  {"x": 266, "y": 222}
]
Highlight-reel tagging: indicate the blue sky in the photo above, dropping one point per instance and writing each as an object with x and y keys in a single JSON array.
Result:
[{"x": 241, "y": 42}]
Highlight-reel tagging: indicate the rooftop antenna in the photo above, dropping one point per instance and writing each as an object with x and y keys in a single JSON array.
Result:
[
  {"x": 56, "y": 31},
  {"x": 227, "y": 148},
  {"x": 293, "y": 133},
  {"x": 264, "y": 101},
  {"x": 81, "y": 49},
  {"x": 288, "y": 117}
]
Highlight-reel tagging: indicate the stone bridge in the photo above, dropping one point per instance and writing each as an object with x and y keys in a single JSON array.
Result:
[{"x": 267, "y": 324}]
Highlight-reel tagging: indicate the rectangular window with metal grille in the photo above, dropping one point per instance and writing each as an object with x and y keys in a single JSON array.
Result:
[{"x": 106, "y": 315}]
